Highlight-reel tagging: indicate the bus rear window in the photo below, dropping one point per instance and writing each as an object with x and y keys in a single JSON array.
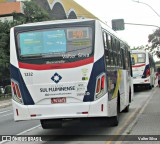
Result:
[
  {"x": 58, "y": 42},
  {"x": 138, "y": 57}
]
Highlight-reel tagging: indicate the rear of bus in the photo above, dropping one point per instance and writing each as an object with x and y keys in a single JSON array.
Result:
[
  {"x": 141, "y": 68},
  {"x": 54, "y": 72}
]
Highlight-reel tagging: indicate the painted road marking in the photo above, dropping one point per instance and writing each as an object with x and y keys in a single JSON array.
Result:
[
  {"x": 6, "y": 115},
  {"x": 5, "y": 111},
  {"x": 125, "y": 125},
  {"x": 28, "y": 130},
  {"x": 21, "y": 133},
  {"x": 141, "y": 111}
]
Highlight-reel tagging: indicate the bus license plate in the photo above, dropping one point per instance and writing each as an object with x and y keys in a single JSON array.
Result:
[{"x": 58, "y": 100}]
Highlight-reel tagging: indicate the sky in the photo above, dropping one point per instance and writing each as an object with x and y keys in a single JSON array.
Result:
[{"x": 131, "y": 12}]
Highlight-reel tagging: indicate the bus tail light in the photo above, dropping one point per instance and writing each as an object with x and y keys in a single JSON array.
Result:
[
  {"x": 148, "y": 72},
  {"x": 13, "y": 88},
  {"x": 100, "y": 86},
  {"x": 16, "y": 92},
  {"x": 102, "y": 82}
]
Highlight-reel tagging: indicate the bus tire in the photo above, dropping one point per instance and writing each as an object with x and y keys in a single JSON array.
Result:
[
  {"x": 50, "y": 123},
  {"x": 126, "y": 109},
  {"x": 150, "y": 87},
  {"x": 114, "y": 121},
  {"x": 130, "y": 99}
]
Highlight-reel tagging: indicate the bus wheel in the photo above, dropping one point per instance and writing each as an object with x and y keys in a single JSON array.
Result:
[
  {"x": 114, "y": 121},
  {"x": 150, "y": 87},
  {"x": 50, "y": 123},
  {"x": 126, "y": 109}
]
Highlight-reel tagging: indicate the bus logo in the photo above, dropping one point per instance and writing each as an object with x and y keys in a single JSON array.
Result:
[{"x": 56, "y": 78}]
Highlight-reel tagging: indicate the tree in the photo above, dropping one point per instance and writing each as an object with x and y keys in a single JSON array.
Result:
[
  {"x": 32, "y": 13},
  {"x": 4, "y": 48},
  {"x": 154, "y": 39}
]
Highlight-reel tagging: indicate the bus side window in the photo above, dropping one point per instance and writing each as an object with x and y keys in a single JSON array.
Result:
[
  {"x": 104, "y": 40},
  {"x": 130, "y": 64},
  {"x": 112, "y": 52},
  {"x": 126, "y": 57},
  {"x": 109, "y": 41},
  {"x": 115, "y": 53},
  {"x": 106, "y": 48},
  {"x": 123, "y": 59},
  {"x": 118, "y": 54},
  {"x": 109, "y": 47},
  {"x": 122, "y": 55}
]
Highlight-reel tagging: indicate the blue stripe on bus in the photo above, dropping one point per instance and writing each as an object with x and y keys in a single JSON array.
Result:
[
  {"x": 16, "y": 75},
  {"x": 144, "y": 73},
  {"x": 98, "y": 68}
]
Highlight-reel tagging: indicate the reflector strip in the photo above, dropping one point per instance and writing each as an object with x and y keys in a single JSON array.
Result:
[
  {"x": 84, "y": 112},
  {"x": 17, "y": 112},
  {"x": 33, "y": 115},
  {"x": 102, "y": 107}
]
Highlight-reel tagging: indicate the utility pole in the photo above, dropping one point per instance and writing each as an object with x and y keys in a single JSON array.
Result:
[
  {"x": 142, "y": 24},
  {"x": 148, "y": 6}
]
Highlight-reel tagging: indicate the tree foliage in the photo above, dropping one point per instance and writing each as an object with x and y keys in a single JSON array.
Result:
[
  {"x": 4, "y": 48},
  {"x": 154, "y": 39},
  {"x": 32, "y": 13}
]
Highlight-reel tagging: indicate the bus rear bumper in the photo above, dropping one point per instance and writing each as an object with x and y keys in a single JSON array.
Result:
[
  {"x": 98, "y": 108},
  {"x": 141, "y": 81}
]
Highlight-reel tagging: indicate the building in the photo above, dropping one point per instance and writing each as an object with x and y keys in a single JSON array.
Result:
[
  {"x": 65, "y": 9},
  {"x": 8, "y": 7},
  {"x": 57, "y": 9}
]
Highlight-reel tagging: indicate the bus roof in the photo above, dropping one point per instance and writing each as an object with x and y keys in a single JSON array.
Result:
[
  {"x": 54, "y": 22},
  {"x": 138, "y": 51}
]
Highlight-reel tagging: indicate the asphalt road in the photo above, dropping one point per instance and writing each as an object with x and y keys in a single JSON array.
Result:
[{"x": 75, "y": 132}]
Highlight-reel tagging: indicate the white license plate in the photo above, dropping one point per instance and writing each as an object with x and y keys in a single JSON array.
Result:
[{"x": 58, "y": 100}]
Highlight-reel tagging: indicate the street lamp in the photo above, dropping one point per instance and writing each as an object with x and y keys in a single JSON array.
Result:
[{"x": 146, "y": 5}]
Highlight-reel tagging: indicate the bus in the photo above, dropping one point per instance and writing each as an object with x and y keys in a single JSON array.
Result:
[
  {"x": 67, "y": 70},
  {"x": 143, "y": 67}
]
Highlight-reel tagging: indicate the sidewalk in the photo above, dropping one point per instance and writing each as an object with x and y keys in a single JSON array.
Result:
[
  {"x": 5, "y": 103},
  {"x": 148, "y": 121}
]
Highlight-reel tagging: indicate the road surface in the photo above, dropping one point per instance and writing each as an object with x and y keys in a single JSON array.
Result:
[{"x": 77, "y": 132}]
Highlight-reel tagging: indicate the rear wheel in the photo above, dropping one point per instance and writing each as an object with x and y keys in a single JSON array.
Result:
[
  {"x": 114, "y": 121},
  {"x": 150, "y": 87},
  {"x": 126, "y": 109}
]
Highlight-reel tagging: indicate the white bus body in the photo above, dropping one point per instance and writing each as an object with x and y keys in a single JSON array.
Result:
[
  {"x": 143, "y": 68},
  {"x": 59, "y": 71}
]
